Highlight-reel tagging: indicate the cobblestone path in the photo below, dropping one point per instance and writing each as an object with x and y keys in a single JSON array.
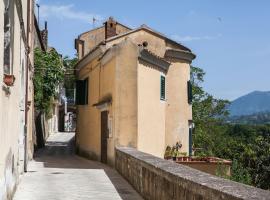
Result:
[{"x": 57, "y": 174}]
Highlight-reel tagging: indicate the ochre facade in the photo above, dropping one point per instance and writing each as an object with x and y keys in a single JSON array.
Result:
[{"x": 124, "y": 78}]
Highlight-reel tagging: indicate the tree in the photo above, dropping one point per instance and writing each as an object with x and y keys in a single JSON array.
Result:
[
  {"x": 248, "y": 146},
  {"x": 49, "y": 73},
  {"x": 69, "y": 77},
  {"x": 207, "y": 113}
]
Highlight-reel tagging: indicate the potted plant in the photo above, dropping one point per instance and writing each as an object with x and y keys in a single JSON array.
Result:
[
  {"x": 175, "y": 153},
  {"x": 9, "y": 79},
  {"x": 168, "y": 153}
]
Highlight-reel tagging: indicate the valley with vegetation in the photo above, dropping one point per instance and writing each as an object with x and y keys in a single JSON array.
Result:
[{"x": 243, "y": 139}]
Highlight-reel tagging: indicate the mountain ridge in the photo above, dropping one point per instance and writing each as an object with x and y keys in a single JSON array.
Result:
[{"x": 251, "y": 103}]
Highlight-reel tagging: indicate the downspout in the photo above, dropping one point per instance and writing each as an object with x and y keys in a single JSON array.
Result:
[{"x": 26, "y": 85}]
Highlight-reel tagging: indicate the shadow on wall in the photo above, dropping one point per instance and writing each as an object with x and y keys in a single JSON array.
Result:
[{"x": 40, "y": 130}]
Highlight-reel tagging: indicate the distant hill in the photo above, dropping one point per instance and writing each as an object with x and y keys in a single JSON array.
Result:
[
  {"x": 257, "y": 118},
  {"x": 254, "y": 102}
]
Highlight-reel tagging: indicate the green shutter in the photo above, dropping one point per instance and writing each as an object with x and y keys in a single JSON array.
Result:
[
  {"x": 86, "y": 91},
  {"x": 82, "y": 92},
  {"x": 189, "y": 90},
  {"x": 190, "y": 142},
  {"x": 162, "y": 87},
  {"x": 79, "y": 92}
]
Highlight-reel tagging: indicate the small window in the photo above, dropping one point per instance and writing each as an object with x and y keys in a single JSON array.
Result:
[
  {"x": 82, "y": 92},
  {"x": 189, "y": 91},
  {"x": 8, "y": 36},
  {"x": 162, "y": 88}
]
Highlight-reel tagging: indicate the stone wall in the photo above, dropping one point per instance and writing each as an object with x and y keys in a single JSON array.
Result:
[{"x": 156, "y": 178}]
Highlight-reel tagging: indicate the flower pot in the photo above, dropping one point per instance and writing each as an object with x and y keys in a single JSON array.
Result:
[
  {"x": 174, "y": 158},
  {"x": 167, "y": 157},
  {"x": 9, "y": 79}
]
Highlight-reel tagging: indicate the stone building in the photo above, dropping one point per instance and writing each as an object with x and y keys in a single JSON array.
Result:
[
  {"x": 17, "y": 39},
  {"x": 133, "y": 90}
]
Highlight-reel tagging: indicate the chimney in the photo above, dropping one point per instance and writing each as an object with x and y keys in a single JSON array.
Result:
[
  {"x": 110, "y": 28},
  {"x": 44, "y": 36}
]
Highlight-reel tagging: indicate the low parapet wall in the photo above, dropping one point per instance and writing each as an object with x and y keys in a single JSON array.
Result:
[{"x": 158, "y": 179}]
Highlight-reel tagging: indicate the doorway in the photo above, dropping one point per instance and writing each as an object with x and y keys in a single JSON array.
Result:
[{"x": 104, "y": 135}]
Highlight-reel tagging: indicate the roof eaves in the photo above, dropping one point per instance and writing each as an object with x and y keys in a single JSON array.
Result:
[
  {"x": 153, "y": 59},
  {"x": 180, "y": 54}
]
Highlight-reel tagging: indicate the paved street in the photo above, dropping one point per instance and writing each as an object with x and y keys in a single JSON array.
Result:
[{"x": 56, "y": 174}]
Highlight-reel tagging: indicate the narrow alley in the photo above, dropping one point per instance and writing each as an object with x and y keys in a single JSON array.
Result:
[{"x": 57, "y": 173}]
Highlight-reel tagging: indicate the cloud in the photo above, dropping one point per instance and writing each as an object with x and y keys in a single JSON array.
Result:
[
  {"x": 66, "y": 12},
  {"x": 189, "y": 38}
]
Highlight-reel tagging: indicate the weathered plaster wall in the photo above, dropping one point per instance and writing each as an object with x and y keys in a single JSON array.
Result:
[
  {"x": 156, "y": 45},
  {"x": 159, "y": 179},
  {"x": 94, "y": 37},
  {"x": 107, "y": 89},
  {"x": 12, "y": 112},
  {"x": 88, "y": 123},
  {"x": 101, "y": 85},
  {"x": 140, "y": 119},
  {"x": 151, "y": 111},
  {"x": 178, "y": 111},
  {"x": 121, "y": 29},
  {"x": 10, "y": 124},
  {"x": 114, "y": 75},
  {"x": 30, "y": 113},
  {"x": 126, "y": 120}
]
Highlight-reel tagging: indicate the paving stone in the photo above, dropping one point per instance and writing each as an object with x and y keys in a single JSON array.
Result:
[{"x": 56, "y": 173}]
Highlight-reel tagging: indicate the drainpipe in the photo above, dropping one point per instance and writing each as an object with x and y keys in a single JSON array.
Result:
[{"x": 26, "y": 86}]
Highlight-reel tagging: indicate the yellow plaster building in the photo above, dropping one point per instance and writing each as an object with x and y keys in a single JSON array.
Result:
[{"x": 132, "y": 90}]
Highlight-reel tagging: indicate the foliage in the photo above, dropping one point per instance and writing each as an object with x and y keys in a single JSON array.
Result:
[
  {"x": 69, "y": 78},
  {"x": 248, "y": 146},
  {"x": 239, "y": 173},
  {"x": 207, "y": 111},
  {"x": 49, "y": 73},
  {"x": 69, "y": 64}
]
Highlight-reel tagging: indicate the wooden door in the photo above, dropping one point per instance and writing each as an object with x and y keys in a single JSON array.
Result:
[{"x": 104, "y": 135}]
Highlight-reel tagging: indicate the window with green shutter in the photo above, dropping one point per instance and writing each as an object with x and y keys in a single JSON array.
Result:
[
  {"x": 189, "y": 90},
  {"x": 162, "y": 87},
  {"x": 82, "y": 92}
]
